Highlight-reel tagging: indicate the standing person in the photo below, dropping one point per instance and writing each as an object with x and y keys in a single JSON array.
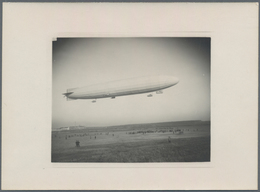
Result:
[{"x": 77, "y": 143}]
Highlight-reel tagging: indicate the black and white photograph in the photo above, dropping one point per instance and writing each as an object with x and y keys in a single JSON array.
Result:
[
  {"x": 130, "y": 96},
  {"x": 131, "y": 100}
]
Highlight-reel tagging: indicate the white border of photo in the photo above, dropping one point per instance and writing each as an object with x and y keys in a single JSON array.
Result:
[{"x": 28, "y": 32}]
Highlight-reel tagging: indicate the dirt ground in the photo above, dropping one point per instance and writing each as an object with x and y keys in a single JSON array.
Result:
[{"x": 191, "y": 144}]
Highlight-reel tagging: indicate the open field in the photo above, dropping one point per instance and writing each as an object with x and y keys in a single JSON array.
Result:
[{"x": 144, "y": 143}]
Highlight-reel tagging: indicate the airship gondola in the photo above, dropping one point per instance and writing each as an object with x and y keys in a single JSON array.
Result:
[{"x": 125, "y": 87}]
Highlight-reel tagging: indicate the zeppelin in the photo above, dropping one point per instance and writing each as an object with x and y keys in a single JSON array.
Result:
[{"x": 124, "y": 87}]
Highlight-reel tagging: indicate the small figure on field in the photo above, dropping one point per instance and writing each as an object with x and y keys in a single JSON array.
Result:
[
  {"x": 169, "y": 139},
  {"x": 77, "y": 143}
]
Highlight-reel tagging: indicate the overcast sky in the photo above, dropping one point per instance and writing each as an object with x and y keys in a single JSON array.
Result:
[{"x": 85, "y": 61}]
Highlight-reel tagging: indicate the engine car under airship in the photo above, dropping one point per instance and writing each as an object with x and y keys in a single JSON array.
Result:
[{"x": 122, "y": 87}]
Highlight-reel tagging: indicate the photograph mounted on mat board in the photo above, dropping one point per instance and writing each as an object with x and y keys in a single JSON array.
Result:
[
  {"x": 131, "y": 100},
  {"x": 36, "y": 89}
]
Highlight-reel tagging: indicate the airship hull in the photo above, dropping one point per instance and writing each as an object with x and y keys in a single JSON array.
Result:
[{"x": 122, "y": 87}]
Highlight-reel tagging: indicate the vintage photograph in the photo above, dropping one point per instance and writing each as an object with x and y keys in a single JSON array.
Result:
[
  {"x": 163, "y": 96},
  {"x": 131, "y": 100}
]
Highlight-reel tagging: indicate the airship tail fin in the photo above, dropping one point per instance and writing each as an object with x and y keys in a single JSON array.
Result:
[
  {"x": 67, "y": 95},
  {"x": 70, "y": 90},
  {"x": 69, "y": 99}
]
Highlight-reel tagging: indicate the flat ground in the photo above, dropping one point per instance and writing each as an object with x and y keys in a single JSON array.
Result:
[{"x": 154, "y": 144}]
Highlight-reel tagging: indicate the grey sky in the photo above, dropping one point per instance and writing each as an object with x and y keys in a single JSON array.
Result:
[{"x": 85, "y": 61}]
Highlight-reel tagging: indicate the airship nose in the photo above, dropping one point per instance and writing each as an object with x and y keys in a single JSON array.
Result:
[
  {"x": 174, "y": 80},
  {"x": 177, "y": 80}
]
